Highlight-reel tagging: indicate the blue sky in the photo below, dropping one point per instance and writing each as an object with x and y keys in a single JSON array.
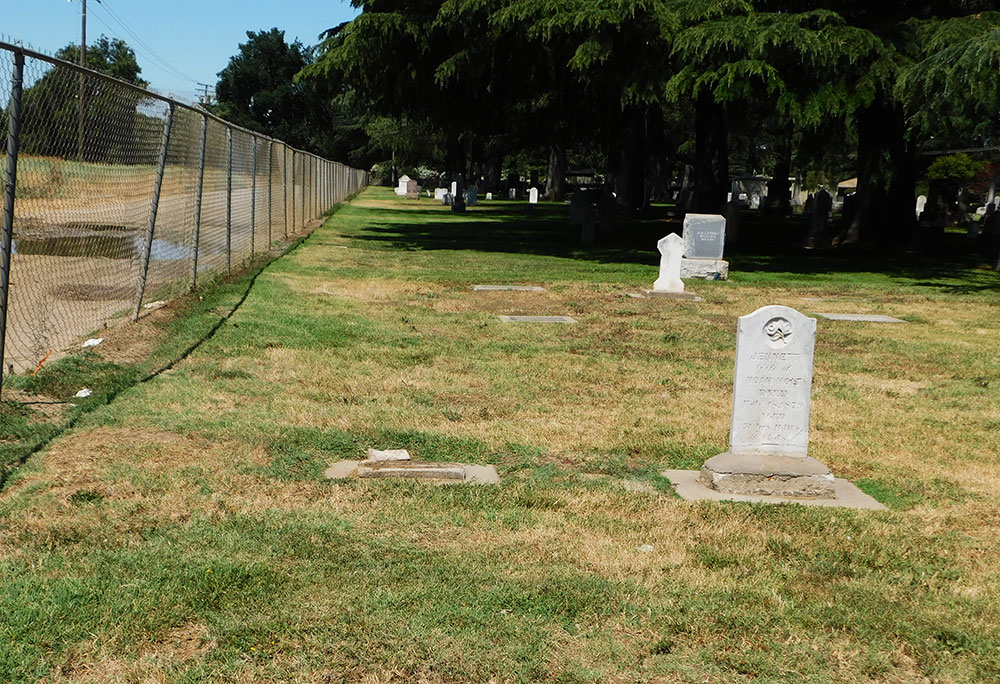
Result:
[{"x": 194, "y": 38}]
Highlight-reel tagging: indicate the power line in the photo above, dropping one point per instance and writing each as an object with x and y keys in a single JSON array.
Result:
[{"x": 160, "y": 62}]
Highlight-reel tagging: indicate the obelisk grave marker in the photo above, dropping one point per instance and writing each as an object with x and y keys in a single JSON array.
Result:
[{"x": 769, "y": 434}]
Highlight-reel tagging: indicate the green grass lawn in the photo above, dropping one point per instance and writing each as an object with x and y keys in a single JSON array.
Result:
[{"x": 182, "y": 531}]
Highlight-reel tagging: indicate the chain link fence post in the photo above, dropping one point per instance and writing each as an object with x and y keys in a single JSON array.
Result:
[
  {"x": 229, "y": 200},
  {"x": 147, "y": 248},
  {"x": 198, "y": 199},
  {"x": 284, "y": 186},
  {"x": 253, "y": 198},
  {"x": 10, "y": 185},
  {"x": 270, "y": 189}
]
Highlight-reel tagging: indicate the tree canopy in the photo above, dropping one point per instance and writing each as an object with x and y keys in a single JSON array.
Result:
[
  {"x": 51, "y": 106},
  {"x": 779, "y": 87}
]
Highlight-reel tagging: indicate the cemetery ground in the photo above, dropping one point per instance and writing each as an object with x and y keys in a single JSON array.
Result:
[{"x": 182, "y": 530}]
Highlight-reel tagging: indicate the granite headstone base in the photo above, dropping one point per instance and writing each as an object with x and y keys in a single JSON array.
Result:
[
  {"x": 768, "y": 475},
  {"x": 705, "y": 269},
  {"x": 687, "y": 485}
]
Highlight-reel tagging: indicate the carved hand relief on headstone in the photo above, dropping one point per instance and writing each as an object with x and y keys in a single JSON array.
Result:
[
  {"x": 704, "y": 236},
  {"x": 774, "y": 360},
  {"x": 670, "y": 248}
]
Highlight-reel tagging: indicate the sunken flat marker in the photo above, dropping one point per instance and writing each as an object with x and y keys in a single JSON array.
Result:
[
  {"x": 537, "y": 319},
  {"x": 864, "y": 318},
  {"x": 511, "y": 288}
]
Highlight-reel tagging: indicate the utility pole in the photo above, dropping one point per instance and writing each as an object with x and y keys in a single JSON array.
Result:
[
  {"x": 83, "y": 63},
  {"x": 206, "y": 94}
]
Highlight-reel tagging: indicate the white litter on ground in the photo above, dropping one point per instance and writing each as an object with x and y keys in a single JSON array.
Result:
[
  {"x": 82, "y": 394},
  {"x": 92, "y": 342}
]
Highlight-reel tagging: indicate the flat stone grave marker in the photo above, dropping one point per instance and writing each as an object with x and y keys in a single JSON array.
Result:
[
  {"x": 537, "y": 319},
  {"x": 512, "y": 288},
  {"x": 409, "y": 469},
  {"x": 428, "y": 471},
  {"x": 864, "y": 318},
  {"x": 769, "y": 433}
]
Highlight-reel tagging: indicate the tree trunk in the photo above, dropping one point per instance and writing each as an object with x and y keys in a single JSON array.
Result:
[
  {"x": 494, "y": 170},
  {"x": 630, "y": 183},
  {"x": 555, "y": 179},
  {"x": 779, "y": 189},
  {"x": 886, "y": 179},
  {"x": 711, "y": 170},
  {"x": 658, "y": 168}
]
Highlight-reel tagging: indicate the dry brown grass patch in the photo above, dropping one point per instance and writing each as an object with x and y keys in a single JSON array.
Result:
[{"x": 154, "y": 663}]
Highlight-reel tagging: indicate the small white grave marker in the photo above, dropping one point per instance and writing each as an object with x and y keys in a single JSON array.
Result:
[
  {"x": 376, "y": 456},
  {"x": 533, "y": 196},
  {"x": 671, "y": 249}
]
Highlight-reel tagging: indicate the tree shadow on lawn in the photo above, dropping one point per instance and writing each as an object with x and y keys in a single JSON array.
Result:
[{"x": 766, "y": 247}]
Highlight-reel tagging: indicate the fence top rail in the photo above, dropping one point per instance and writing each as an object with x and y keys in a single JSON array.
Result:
[{"x": 55, "y": 61}]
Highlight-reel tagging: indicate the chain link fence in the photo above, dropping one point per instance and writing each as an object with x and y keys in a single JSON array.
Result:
[{"x": 116, "y": 198}]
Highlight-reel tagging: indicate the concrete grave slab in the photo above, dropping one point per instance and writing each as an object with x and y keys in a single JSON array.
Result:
[
  {"x": 435, "y": 473},
  {"x": 846, "y": 495},
  {"x": 505, "y": 288},
  {"x": 863, "y": 318},
  {"x": 420, "y": 471},
  {"x": 537, "y": 319}
]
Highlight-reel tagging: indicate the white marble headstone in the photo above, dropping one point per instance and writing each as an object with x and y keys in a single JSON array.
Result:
[
  {"x": 704, "y": 236},
  {"x": 489, "y": 196},
  {"x": 670, "y": 248},
  {"x": 439, "y": 193},
  {"x": 533, "y": 196},
  {"x": 774, "y": 364},
  {"x": 921, "y": 203},
  {"x": 454, "y": 188}
]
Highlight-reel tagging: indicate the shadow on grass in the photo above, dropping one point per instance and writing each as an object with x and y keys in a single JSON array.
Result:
[{"x": 767, "y": 246}]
